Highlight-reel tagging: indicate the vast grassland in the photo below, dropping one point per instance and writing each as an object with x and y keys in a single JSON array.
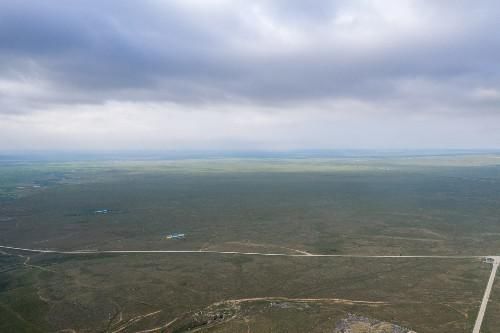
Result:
[{"x": 441, "y": 205}]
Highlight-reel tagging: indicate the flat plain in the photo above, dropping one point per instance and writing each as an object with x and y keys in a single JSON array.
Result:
[{"x": 399, "y": 206}]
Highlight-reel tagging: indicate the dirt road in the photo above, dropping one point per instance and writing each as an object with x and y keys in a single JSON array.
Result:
[{"x": 486, "y": 297}]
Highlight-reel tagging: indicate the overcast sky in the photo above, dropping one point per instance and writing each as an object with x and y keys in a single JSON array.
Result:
[{"x": 249, "y": 75}]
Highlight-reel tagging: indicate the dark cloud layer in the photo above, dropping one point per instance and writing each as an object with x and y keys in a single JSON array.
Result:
[
  {"x": 339, "y": 61},
  {"x": 258, "y": 52}
]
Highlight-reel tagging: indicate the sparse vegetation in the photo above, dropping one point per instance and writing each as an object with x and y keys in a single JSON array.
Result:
[{"x": 365, "y": 206}]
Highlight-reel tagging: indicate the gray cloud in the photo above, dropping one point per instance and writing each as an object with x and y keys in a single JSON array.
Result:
[
  {"x": 121, "y": 49},
  {"x": 403, "y": 56}
]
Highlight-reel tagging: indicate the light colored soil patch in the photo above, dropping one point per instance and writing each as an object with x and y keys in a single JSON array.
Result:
[{"x": 358, "y": 324}]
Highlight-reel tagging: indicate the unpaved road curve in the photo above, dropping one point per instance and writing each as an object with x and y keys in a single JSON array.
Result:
[
  {"x": 300, "y": 300},
  {"x": 486, "y": 297}
]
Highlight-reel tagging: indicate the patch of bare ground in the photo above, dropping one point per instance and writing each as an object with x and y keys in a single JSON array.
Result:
[{"x": 358, "y": 324}]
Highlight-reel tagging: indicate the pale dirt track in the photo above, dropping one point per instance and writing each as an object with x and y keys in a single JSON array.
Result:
[
  {"x": 486, "y": 297},
  {"x": 80, "y": 252}
]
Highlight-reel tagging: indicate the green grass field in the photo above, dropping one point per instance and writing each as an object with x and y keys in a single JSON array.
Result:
[{"x": 441, "y": 205}]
